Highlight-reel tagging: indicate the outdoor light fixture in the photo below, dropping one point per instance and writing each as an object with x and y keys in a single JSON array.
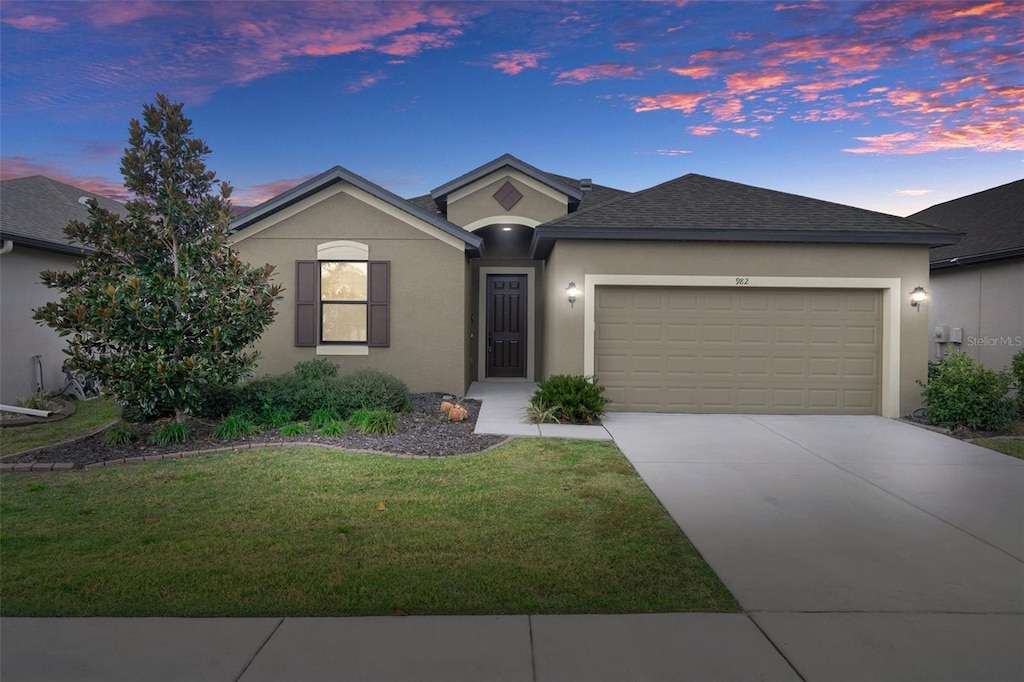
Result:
[
  {"x": 916, "y": 296},
  {"x": 572, "y": 292}
]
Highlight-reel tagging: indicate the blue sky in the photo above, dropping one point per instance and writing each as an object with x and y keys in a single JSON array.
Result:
[{"x": 891, "y": 106}]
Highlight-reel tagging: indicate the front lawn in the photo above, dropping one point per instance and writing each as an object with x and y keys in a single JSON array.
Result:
[
  {"x": 535, "y": 526},
  {"x": 89, "y": 416},
  {"x": 1014, "y": 447}
]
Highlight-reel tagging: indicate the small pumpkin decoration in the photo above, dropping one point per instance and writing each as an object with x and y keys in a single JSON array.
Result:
[
  {"x": 446, "y": 406},
  {"x": 458, "y": 413}
]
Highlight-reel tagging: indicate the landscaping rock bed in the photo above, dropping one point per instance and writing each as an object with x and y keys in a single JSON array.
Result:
[{"x": 424, "y": 431}]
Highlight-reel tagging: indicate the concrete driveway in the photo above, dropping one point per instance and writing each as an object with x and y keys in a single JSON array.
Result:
[{"x": 864, "y": 548}]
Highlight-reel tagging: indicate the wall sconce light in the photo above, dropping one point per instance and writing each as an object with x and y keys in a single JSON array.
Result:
[
  {"x": 572, "y": 292},
  {"x": 917, "y": 296}
]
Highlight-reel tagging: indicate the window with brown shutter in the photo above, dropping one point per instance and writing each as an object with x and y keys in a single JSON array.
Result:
[{"x": 349, "y": 302}]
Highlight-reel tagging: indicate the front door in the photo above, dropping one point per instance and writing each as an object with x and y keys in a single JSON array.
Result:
[{"x": 506, "y": 326}]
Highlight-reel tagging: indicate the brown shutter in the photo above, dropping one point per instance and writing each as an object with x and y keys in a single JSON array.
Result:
[
  {"x": 378, "y": 304},
  {"x": 306, "y": 274}
]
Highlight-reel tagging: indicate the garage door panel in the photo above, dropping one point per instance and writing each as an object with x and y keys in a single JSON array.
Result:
[{"x": 759, "y": 351}]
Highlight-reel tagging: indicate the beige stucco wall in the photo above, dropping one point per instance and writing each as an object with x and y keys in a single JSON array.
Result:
[
  {"x": 985, "y": 302},
  {"x": 20, "y": 336},
  {"x": 574, "y": 260},
  {"x": 428, "y": 291},
  {"x": 476, "y": 202}
]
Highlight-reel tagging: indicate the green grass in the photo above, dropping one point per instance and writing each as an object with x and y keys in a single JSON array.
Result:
[
  {"x": 535, "y": 526},
  {"x": 89, "y": 416},
  {"x": 1014, "y": 447}
]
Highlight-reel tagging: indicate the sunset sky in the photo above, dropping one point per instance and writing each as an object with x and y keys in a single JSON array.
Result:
[{"x": 891, "y": 106}]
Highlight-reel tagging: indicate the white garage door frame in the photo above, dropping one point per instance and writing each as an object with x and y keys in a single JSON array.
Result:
[{"x": 890, "y": 288}]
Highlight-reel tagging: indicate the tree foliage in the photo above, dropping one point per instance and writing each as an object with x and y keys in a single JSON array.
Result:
[{"x": 162, "y": 310}]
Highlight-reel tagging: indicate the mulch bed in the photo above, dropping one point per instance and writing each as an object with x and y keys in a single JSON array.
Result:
[{"x": 424, "y": 431}]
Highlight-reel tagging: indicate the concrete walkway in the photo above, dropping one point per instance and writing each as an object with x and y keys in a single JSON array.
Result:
[
  {"x": 503, "y": 411},
  {"x": 860, "y": 549}
]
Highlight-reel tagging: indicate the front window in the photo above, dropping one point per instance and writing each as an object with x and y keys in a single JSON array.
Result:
[{"x": 343, "y": 298}]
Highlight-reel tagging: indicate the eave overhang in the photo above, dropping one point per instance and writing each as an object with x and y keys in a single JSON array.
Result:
[{"x": 544, "y": 237}]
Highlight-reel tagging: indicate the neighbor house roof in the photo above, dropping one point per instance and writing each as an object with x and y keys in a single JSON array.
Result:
[
  {"x": 339, "y": 174},
  {"x": 992, "y": 222},
  {"x": 698, "y": 208},
  {"x": 35, "y": 210},
  {"x": 572, "y": 191}
]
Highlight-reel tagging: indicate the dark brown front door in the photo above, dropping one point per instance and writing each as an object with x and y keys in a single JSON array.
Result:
[{"x": 506, "y": 325}]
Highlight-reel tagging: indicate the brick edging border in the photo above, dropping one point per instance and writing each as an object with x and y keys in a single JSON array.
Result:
[{"x": 40, "y": 467}]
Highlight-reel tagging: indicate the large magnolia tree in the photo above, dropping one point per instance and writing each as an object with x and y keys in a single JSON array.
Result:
[{"x": 162, "y": 310}]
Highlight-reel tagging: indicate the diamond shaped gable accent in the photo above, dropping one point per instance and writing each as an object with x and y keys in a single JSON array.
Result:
[{"x": 508, "y": 196}]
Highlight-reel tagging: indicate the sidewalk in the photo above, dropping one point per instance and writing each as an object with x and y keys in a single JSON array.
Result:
[{"x": 595, "y": 648}]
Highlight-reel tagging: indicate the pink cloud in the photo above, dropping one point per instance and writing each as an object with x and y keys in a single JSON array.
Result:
[
  {"x": 693, "y": 71},
  {"x": 703, "y": 131},
  {"x": 23, "y": 166},
  {"x": 367, "y": 81},
  {"x": 729, "y": 109},
  {"x": 743, "y": 82},
  {"x": 993, "y": 135},
  {"x": 517, "y": 61},
  {"x": 829, "y": 85},
  {"x": 747, "y": 132},
  {"x": 627, "y": 46},
  {"x": 104, "y": 14},
  {"x": 257, "y": 194},
  {"x": 685, "y": 102},
  {"x": 913, "y": 192},
  {"x": 594, "y": 72},
  {"x": 411, "y": 44},
  {"x": 34, "y": 22}
]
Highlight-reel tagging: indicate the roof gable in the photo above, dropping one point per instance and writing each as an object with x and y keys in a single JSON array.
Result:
[
  {"x": 992, "y": 222},
  {"x": 336, "y": 175},
  {"x": 697, "y": 207},
  {"x": 440, "y": 194},
  {"x": 35, "y": 210}
]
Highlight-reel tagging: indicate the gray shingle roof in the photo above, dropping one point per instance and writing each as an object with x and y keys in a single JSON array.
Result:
[
  {"x": 696, "y": 207},
  {"x": 440, "y": 194},
  {"x": 992, "y": 220},
  {"x": 35, "y": 210},
  {"x": 339, "y": 174},
  {"x": 598, "y": 194}
]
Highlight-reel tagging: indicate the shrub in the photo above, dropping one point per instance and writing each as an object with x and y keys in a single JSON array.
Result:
[
  {"x": 173, "y": 432},
  {"x": 540, "y": 412},
  {"x": 334, "y": 427},
  {"x": 237, "y": 425},
  {"x": 570, "y": 398},
  {"x": 40, "y": 400},
  {"x": 323, "y": 416},
  {"x": 218, "y": 402},
  {"x": 374, "y": 421},
  {"x": 296, "y": 429},
  {"x": 371, "y": 389},
  {"x": 313, "y": 370},
  {"x": 1017, "y": 370},
  {"x": 121, "y": 434},
  {"x": 961, "y": 393},
  {"x": 137, "y": 414},
  {"x": 275, "y": 419}
]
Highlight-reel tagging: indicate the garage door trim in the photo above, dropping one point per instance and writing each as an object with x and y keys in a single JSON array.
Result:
[{"x": 889, "y": 287}]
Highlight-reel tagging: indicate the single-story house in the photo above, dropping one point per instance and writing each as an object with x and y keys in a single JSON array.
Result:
[
  {"x": 33, "y": 214},
  {"x": 696, "y": 295},
  {"x": 977, "y": 284}
]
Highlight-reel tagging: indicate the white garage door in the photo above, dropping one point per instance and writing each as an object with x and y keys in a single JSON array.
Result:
[{"x": 774, "y": 351}]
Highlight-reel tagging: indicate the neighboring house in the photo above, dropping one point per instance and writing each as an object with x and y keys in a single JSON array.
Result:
[
  {"x": 977, "y": 286},
  {"x": 697, "y": 295},
  {"x": 33, "y": 214}
]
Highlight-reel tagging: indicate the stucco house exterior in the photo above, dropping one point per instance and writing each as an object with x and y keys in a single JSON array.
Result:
[
  {"x": 33, "y": 214},
  {"x": 697, "y": 295},
  {"x": 976, "y": 302}
]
